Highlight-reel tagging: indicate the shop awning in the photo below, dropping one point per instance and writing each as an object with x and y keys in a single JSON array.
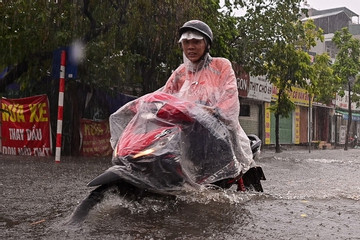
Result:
[{"x": 355, "y": 116}]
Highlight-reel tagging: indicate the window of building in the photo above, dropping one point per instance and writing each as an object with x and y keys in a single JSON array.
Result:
[{"x": 245, "y": 110}]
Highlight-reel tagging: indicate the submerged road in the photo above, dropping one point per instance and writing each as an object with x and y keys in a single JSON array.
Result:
[{"x": 307, "y": 196}]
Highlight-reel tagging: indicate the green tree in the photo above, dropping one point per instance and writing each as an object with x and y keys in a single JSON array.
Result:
[
  {"x": 273, "y": 41},
  {"x": 287, "y": 67},
  {"x": 287, "y": 64},
  {"x": 264, "y": 25},
  {"x": 347, "y": 68},
  {"x": 30, "y": 30},
  {"x": 321, "y": 73},
  {"x": 130, "y": 46},
  {"x": 325, "y": 84},
  {"x": 321, "y": 76}
]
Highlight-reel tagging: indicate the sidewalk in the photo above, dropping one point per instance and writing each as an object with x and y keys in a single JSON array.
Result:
[{"x": 301, "y": 152}]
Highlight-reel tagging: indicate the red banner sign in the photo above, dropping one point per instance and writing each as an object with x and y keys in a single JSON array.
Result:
[
  {"x": 95, "y": 138},
  {"x": 242, "y": 79},
  {"x": 25, "y": 126}
]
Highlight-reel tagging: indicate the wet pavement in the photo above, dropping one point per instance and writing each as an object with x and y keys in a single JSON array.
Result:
[{"x": 307, "y": 196}]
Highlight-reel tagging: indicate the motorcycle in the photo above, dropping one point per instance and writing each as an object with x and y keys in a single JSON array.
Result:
[
  {"x": 353, "y": 142},
  {"x": 169, "y": 146}
]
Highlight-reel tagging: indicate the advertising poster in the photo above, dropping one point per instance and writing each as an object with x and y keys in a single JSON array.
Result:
[
  {"x": 95, "y": 138},
  {"x": 267, "y": 124},
  {"x": 342, "y": 136},
  {"x": 297, "y": 125},
  {"x": 25, "y": 126}
]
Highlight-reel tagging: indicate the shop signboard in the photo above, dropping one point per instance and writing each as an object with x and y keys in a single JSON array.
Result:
[
  {"x": 25, "y": 126},
  {"x": 95, "y": 137},
  {"x": 260, "y": 89}
]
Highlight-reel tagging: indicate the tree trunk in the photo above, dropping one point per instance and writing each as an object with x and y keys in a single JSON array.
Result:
[
  {"x": 277, "y": 135},
  {"x": 349, "y": 121},
  {"x": 277, "y": 123}
]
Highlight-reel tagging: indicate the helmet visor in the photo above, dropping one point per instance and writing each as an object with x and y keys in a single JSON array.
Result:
[{"x": 190, "y": 35}]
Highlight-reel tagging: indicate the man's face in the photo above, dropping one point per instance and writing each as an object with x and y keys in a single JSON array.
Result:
[{"x": 194, "y": 49}]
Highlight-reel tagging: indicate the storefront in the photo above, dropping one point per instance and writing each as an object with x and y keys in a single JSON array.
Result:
[
  {"x": 257, "y": 95},
  {"x": 322, "y": 123},
  {"x": 341, "y": 117},
  {"x": 341, "y": 125},
  {"x": 252, "y": 108},
  {"x": 293, "y": 129}
]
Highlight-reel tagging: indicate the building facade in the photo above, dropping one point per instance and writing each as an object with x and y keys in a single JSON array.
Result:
[
  {"x": 310, "y": 121},
  {"x": 331, "y": 121}
]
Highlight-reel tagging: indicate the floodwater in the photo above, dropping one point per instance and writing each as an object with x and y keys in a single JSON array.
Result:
[{"x": 307, "y": 196}]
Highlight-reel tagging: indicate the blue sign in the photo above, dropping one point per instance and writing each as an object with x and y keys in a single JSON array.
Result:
[
  {"x": 354, "y": 116},
  {"x": 70, "y": 64}
]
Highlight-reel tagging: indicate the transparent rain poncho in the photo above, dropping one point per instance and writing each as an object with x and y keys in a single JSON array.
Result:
[{"x": 185, "y": 134}]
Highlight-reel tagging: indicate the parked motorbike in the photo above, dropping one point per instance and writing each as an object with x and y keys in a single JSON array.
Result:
[
  {"x": 171, "y": 146},
  {"x": 353, "y": 142}
]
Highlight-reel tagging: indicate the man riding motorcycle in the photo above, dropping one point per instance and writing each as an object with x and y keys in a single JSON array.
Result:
[
  {"x": 186, "y": 135},
  {"x": 209, "y": 82}
]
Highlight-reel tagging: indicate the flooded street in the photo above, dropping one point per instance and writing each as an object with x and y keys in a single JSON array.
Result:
[{"x": 307, "y": 196}]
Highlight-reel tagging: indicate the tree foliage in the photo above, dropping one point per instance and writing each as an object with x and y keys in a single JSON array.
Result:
[
  {"x": 30, "y": 30},
  {"x": 320, "y": 74},
  {"x": 274, "y": 42},
  {"x": 263, "y": 26},
  {"x": 347, "y": 62},
  {"x": 288, "y": 64},
  {"x": 132, "y": 46},
  {"x": 324, "y": 84}
]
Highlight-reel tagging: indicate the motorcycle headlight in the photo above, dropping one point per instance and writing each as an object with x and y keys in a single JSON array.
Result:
[
  {"x": 162, "y": 145},
  {"x": 144, "y": 153}
]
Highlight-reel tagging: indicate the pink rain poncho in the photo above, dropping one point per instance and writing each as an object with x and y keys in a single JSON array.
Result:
[
  {"x": 211, "y": 88},
  {"x": 213, "y": 83}
]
